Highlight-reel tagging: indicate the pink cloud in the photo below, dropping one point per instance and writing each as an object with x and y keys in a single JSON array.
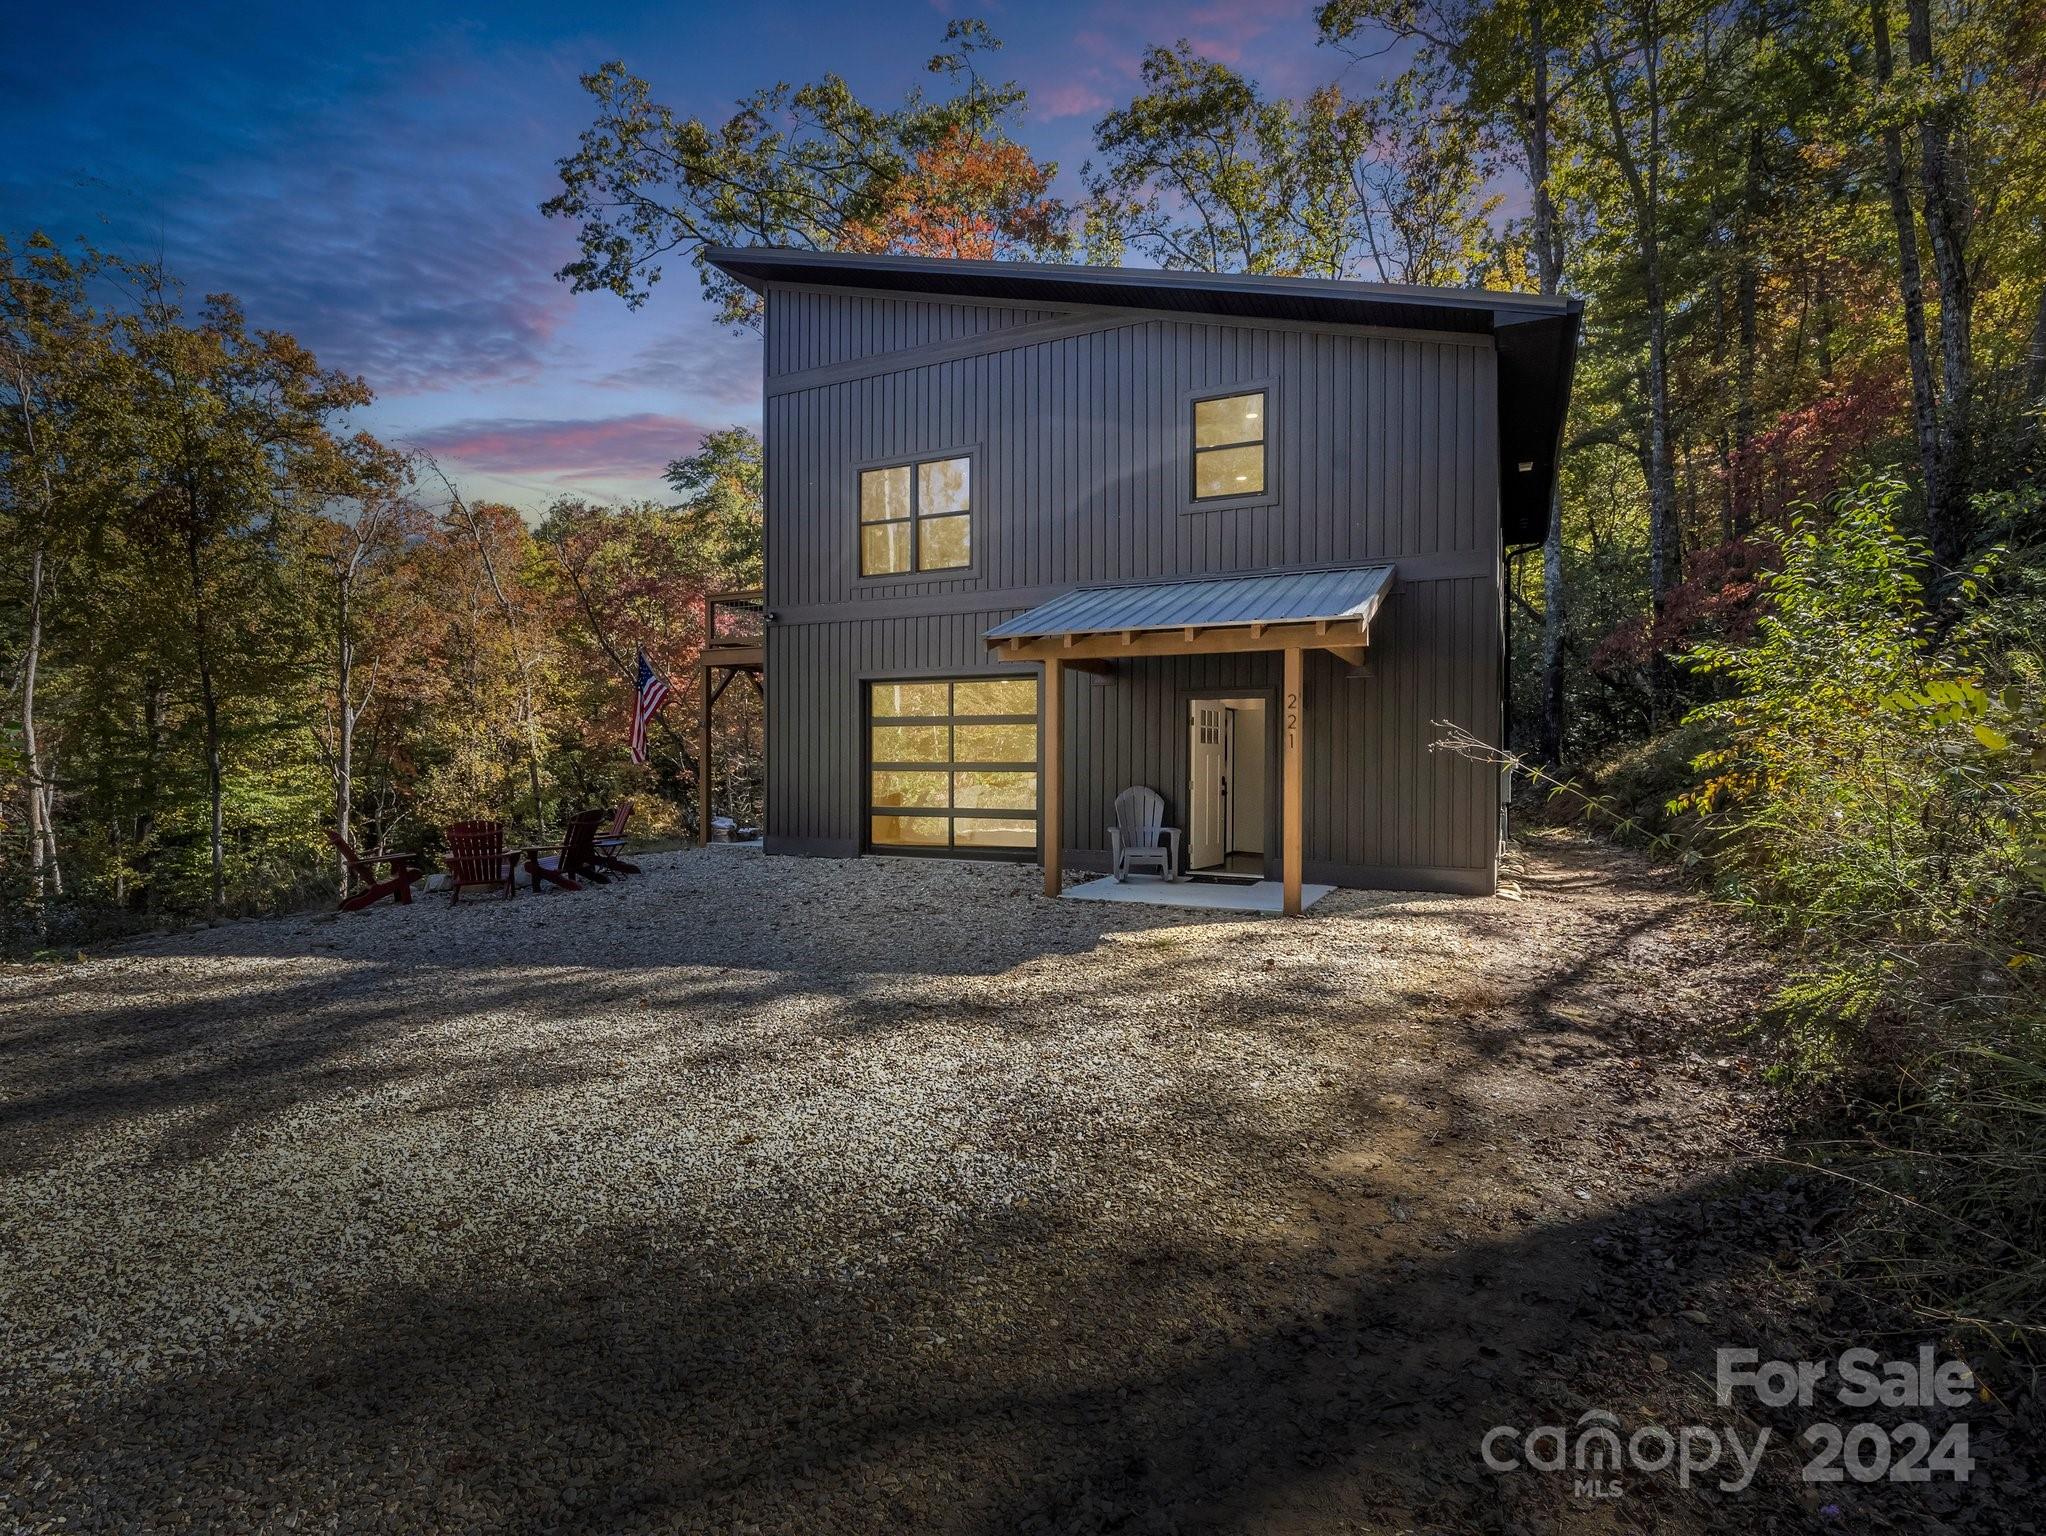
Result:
[
  {"x": 636, "y": 447},
  {"x": 1069, "y": 98}
]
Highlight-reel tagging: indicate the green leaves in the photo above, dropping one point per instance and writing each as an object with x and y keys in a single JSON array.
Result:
[
  {"x": 1991, "y": 738},
  {"x": 811, "y": 166},
  {"x": 1201, "y": 171}
]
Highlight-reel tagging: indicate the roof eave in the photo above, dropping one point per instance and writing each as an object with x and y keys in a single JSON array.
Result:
[{"x": 758, "y": 267}]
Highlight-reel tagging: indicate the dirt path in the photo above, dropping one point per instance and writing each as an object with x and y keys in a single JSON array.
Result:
[{"x": 780, "y": 1195}]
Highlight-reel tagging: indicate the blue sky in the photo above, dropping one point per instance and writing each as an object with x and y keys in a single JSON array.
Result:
[{"x": 370, "y": 181}]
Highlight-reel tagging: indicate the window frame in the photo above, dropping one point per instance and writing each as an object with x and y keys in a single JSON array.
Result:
[
  {"x": 1190, "y": 402},
  {"x": 917, "y": 517},
  {"x": 869, "y": 765}
]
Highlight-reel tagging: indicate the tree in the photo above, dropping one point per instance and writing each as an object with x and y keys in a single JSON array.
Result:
[
  {"x": 1201, "y": 171},
  {"x": 1507, "y": 61},
  {"x": 54, "y": 350},
  {"x": 497, "y": 536},
  {"x": 811, "y": 166},
  {"x": 966, "y": 197},
  {"x": 1625, "y": 66},
  {"x": 228, "y": 430},
  {"x": 1911, "y": 282},
  {"x": 357, "y": 543},
  {"x": 1949, "y": 221},
  {"x": 722, "y": 489}
]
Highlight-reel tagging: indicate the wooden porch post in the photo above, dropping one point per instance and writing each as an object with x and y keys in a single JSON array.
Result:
[
  {"x": 1051, "y": 822},
  {"x": 703, "y": 757},
  {"x": 1292, "y": 749},
  {"x": 710, "y": 626}
]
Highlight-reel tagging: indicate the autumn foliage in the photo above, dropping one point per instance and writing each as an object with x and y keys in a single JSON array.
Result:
[{"x": 965, "y": 197}]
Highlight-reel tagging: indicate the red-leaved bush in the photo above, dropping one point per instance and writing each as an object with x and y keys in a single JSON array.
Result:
[{"x": 1715, "y": 601}]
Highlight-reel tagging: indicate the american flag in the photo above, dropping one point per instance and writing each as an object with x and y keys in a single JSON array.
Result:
[{"x": 652, "y": 693}]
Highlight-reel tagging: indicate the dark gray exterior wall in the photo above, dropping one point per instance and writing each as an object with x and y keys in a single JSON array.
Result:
[{"x": 1383, "y": 447}]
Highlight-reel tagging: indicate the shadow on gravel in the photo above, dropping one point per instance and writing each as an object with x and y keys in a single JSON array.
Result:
[
  {"x": 221, "y": 1028},
  {"x": 644, "y": 1390},
  {"x": 1328, "y": 1362}
]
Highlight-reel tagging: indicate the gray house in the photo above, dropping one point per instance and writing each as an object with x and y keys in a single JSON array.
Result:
[{"x": 1036, "y": 534}]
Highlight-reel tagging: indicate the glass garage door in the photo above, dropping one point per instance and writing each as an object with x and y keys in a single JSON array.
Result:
[{"x": 952, "y": 765}]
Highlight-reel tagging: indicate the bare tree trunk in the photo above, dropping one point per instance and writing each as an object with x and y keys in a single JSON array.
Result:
[
  {"x": 344, "y": 733},
  {"x": 1552, "y": 633},
  {"x": 32, "y": 757},
  {"x": 41, "y": 836},
  {"x": 209, "y": 703},
  {"x": 1643, "y": 176},
  {"x": 1910, "y": 281},
  {"x": 1822, "y": 323},
  {"x": 1947, "y": 219},
  {"x": 2035, "y": 378},
  {"x": 1741, "y": 503},
  {"x": 1549, "y": 273},
  {"x": 51, "y": 863},
  {"x": 153, "y": 734},
  {"x": 1664, "y": 551}
]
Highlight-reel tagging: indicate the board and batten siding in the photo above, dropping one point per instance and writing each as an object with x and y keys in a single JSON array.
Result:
[
  {"x": 1383, "y": 447},
  {"x": 807, "y": 329}
]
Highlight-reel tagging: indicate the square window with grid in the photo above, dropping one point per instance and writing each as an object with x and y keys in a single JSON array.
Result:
[
  {"x": 952, "y": 765},
  {"x": 1229, "y": 437},
  {"x": 916, "y": 517}
]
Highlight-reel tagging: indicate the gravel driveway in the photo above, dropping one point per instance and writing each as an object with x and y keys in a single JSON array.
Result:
[{"x": 793, "y": 1195}]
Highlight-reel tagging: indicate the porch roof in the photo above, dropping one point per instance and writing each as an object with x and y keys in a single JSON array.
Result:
[{"x": 1348, "y": 599}]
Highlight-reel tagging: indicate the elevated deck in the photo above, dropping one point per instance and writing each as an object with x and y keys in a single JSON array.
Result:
[{"x": 734, "y": 645}]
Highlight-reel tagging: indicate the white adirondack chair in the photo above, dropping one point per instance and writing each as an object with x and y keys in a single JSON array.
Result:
[{"x": 1139, "y": 837}]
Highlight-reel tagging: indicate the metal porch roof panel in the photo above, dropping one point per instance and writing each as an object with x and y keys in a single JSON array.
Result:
[{"x": 1210, "y": 602}]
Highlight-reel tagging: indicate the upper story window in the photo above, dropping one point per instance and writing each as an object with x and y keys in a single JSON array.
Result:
[
  {"x": 916, "y": 517},
  {"x": 1229, "y": 435}
]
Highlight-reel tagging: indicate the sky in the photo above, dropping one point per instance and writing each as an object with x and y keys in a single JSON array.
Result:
[{"x": 368, "y": 178}]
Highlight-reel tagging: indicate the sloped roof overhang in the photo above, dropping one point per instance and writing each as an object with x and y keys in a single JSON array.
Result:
[{"x": 1267, "y": 611}]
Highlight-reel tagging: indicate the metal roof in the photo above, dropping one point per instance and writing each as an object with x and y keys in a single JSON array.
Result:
[
  {"x": 1536, "y": 335},
  {"x": 1207, "y": 602},
  {"x": 1250, "y": 294}
]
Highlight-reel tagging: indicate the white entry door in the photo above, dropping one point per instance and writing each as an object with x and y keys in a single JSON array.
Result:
[{"x": 1207, "y": 824}]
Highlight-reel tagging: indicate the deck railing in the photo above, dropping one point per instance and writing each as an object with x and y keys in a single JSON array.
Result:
[{"x": 733, "y": 620}]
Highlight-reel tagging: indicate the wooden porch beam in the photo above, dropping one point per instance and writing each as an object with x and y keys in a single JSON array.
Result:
[{"x": 1351, "y": 655}]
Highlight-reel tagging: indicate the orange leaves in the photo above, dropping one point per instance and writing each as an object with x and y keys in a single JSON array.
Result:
[{"x": 967, "y": 197}]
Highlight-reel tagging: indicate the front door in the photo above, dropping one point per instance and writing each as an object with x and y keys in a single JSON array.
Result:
[{"x": 1207, "y": 799}]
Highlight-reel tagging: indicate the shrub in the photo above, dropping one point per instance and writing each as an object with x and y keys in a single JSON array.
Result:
[{"x": 1876, "y": 795}]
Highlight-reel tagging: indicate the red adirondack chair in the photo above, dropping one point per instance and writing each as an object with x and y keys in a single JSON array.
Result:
[
  {"x": 574, "y": 858},
  {"x": 476, "y": 856},
  {"x": 405, "y": 868},
  {"x": 611, "y": 841}
]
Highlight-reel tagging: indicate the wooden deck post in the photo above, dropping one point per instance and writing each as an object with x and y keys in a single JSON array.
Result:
[
  {"x": 1292, "y": 749},
  {"x": 1051, "y": 822},
  {"x": 703, "y": 702}
]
